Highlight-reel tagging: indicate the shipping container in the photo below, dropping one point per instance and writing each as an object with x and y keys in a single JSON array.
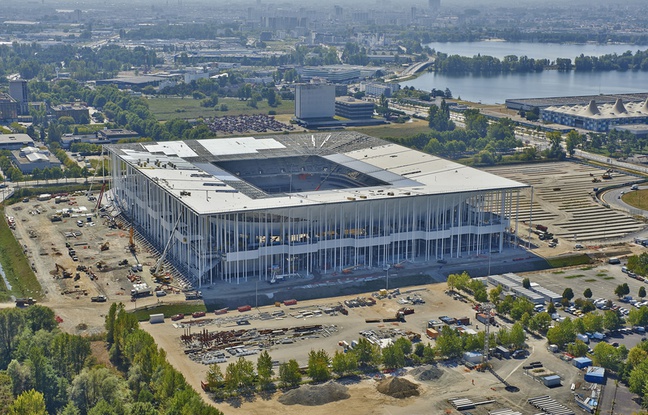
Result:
[
  {"x": 290, "y": 302},
  {"x": 244, "y": 308},
  {"x": 432, "y": 333}
]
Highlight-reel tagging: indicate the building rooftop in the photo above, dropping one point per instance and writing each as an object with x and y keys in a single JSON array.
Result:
[
  {"x": 247, "y": 173},
  {"x": 15, "y": 138},
  {"x": 614, "y": 110}
]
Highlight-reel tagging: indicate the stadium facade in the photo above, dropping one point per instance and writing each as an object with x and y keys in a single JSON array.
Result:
[{"x": 261, "y": 208}]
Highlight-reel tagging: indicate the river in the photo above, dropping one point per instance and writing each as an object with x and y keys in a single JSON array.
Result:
[{"x": 495, "y": 89}]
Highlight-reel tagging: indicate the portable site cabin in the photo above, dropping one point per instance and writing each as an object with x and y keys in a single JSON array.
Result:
[
  {"x": 551, "y": 381},
  {"x": 156, "y": 318},
  {"x": 473, "y": 357},
  {"x": 595, "y": 375},
  {"x": 582, "y": 362}
]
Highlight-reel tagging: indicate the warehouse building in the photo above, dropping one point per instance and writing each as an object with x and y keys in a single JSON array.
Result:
[{"x": 262, "y": 208}]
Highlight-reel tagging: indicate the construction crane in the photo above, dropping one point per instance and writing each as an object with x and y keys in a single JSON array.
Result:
[
  {"x": 156, "y": 272},
  {"x": 89, "y": 193},
  {"x": 101, "y": 193},
  {"x": 486, "y": 308},
  {"x": 131, "y": 239}
]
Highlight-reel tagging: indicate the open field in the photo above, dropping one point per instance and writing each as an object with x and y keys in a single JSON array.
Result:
[
  {"x": 188, "y": 108},
  {"x": 637, "y": 198},
  {"x": 409, "y": 128},
  {"x": 15, "y": 267}
]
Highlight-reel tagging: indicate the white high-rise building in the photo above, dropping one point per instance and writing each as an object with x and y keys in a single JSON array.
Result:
[{"x": 314, "y": 101}]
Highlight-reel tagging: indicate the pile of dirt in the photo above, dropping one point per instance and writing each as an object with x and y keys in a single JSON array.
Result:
[
  {"x": 398, "y": 388},
  {"x": 426, "y": 373},
  {"x": 313, "y": 395}
]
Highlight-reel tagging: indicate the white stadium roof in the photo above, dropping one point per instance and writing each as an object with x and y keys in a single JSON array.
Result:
[{"x": 189, "y": 170}]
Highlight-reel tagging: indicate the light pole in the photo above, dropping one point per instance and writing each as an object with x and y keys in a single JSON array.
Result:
[{"x": 387, "y": 279}]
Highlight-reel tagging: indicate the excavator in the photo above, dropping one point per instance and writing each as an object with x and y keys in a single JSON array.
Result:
[
  {"x": 63, "y": 272},
  {"x": 104, "y": 246}
]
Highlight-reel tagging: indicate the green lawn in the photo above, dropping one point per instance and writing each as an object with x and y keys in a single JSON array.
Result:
[
  {"x": 395, "y": 130},
  {"x": 637, "y": 198},
  {"x": 16, "y": 267},
  {"x": 169, "y": 108},
  {"x": 569, "y": 261},
  {"x": 168, "y": 310}
]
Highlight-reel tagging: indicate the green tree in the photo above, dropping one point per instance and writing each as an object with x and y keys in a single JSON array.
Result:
[
  {"x": 551, "y": 308},
  {"x": 289, "y": 374},
  {"x": 608, "y": 356},
  {"x": 517, "y": 336},
  {"x": 587, "y": 293},
  {"x": 393, "y": 357},
  {"x": 264, "y": 369},
  {"x": 318, "y": 366},
  {"x": 526, "y": 283},
  {"x": 611, "y": 320},
  {"x": 593, "y": 322},
  {"x": 568, "y": 293},
  {"x": 215, "y": 378},
  {"x": 494, "y": 294},
  {"x": 520, "y": 307},
  {"x": 343, "y": 363},
  {"x": 572, "y": 140},
  {"x": 405, "y": 345},
  {"x": 562, "y": 333},
  {"x": 448, "y": 343},
  {"x": 6, "y": 392},
  {"x": 366, "y": 353},
  {"x": 642, "y": 292},
  {"x": 540, "y": 322},
  {"x": 239, "y": 375},
  {"x": 28, "y": 403},
  {"x": 578, "y": 348}
]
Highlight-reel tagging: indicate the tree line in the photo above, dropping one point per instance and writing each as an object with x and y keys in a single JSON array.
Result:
[{"x": 44, "y": 370}]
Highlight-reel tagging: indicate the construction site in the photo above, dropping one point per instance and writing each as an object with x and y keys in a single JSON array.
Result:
[{"x": 86, "y": 256}]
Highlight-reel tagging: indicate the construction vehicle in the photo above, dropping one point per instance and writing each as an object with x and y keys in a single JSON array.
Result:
[
  {"x": 63, "y": 272},
  {"x": 104, "y": 246},
  {"x": 157, "y": 272},
  {"x": 24, "y": 302},
  {"x": 140, "y": 290},
  {"x": 101, "y": 193},
  {"x": 99, "y": 299},
  {"x": 193, "y": 295}
]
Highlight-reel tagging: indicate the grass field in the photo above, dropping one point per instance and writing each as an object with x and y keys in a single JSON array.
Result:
[
  {"x": 16, "y": 267},
  {"x": 169, "y": 108},
  {"x": 168, "y": 310},
  {"x": 569, "y": 261},
  {"x": 637, "y": 198},
  {"x": 407, "y": 129}
]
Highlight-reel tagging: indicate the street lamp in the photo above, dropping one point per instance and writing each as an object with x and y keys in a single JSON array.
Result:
[{"x": 387, "y": 279}]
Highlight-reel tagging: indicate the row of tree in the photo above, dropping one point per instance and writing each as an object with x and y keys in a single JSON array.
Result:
[{"x": 46, "y": 371}]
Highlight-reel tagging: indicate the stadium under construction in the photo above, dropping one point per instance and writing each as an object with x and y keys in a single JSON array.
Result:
[{"x": 234, "y": 209}]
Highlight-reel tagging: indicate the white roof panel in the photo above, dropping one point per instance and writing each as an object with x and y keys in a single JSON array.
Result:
[
  {"x": 239, "y": 145},
  {"x": 171, "y": 148}
]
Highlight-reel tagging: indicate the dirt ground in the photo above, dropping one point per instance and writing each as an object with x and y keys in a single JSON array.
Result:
[
  {"x": 457, "y": 381},
  {"x": 44, "y": 243}
]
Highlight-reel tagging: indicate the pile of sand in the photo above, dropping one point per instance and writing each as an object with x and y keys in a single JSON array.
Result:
[
  {"x": 313, "y": 395},
  {"x": 398, "y": 388},
  {"x": 426, "y": 373}
]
